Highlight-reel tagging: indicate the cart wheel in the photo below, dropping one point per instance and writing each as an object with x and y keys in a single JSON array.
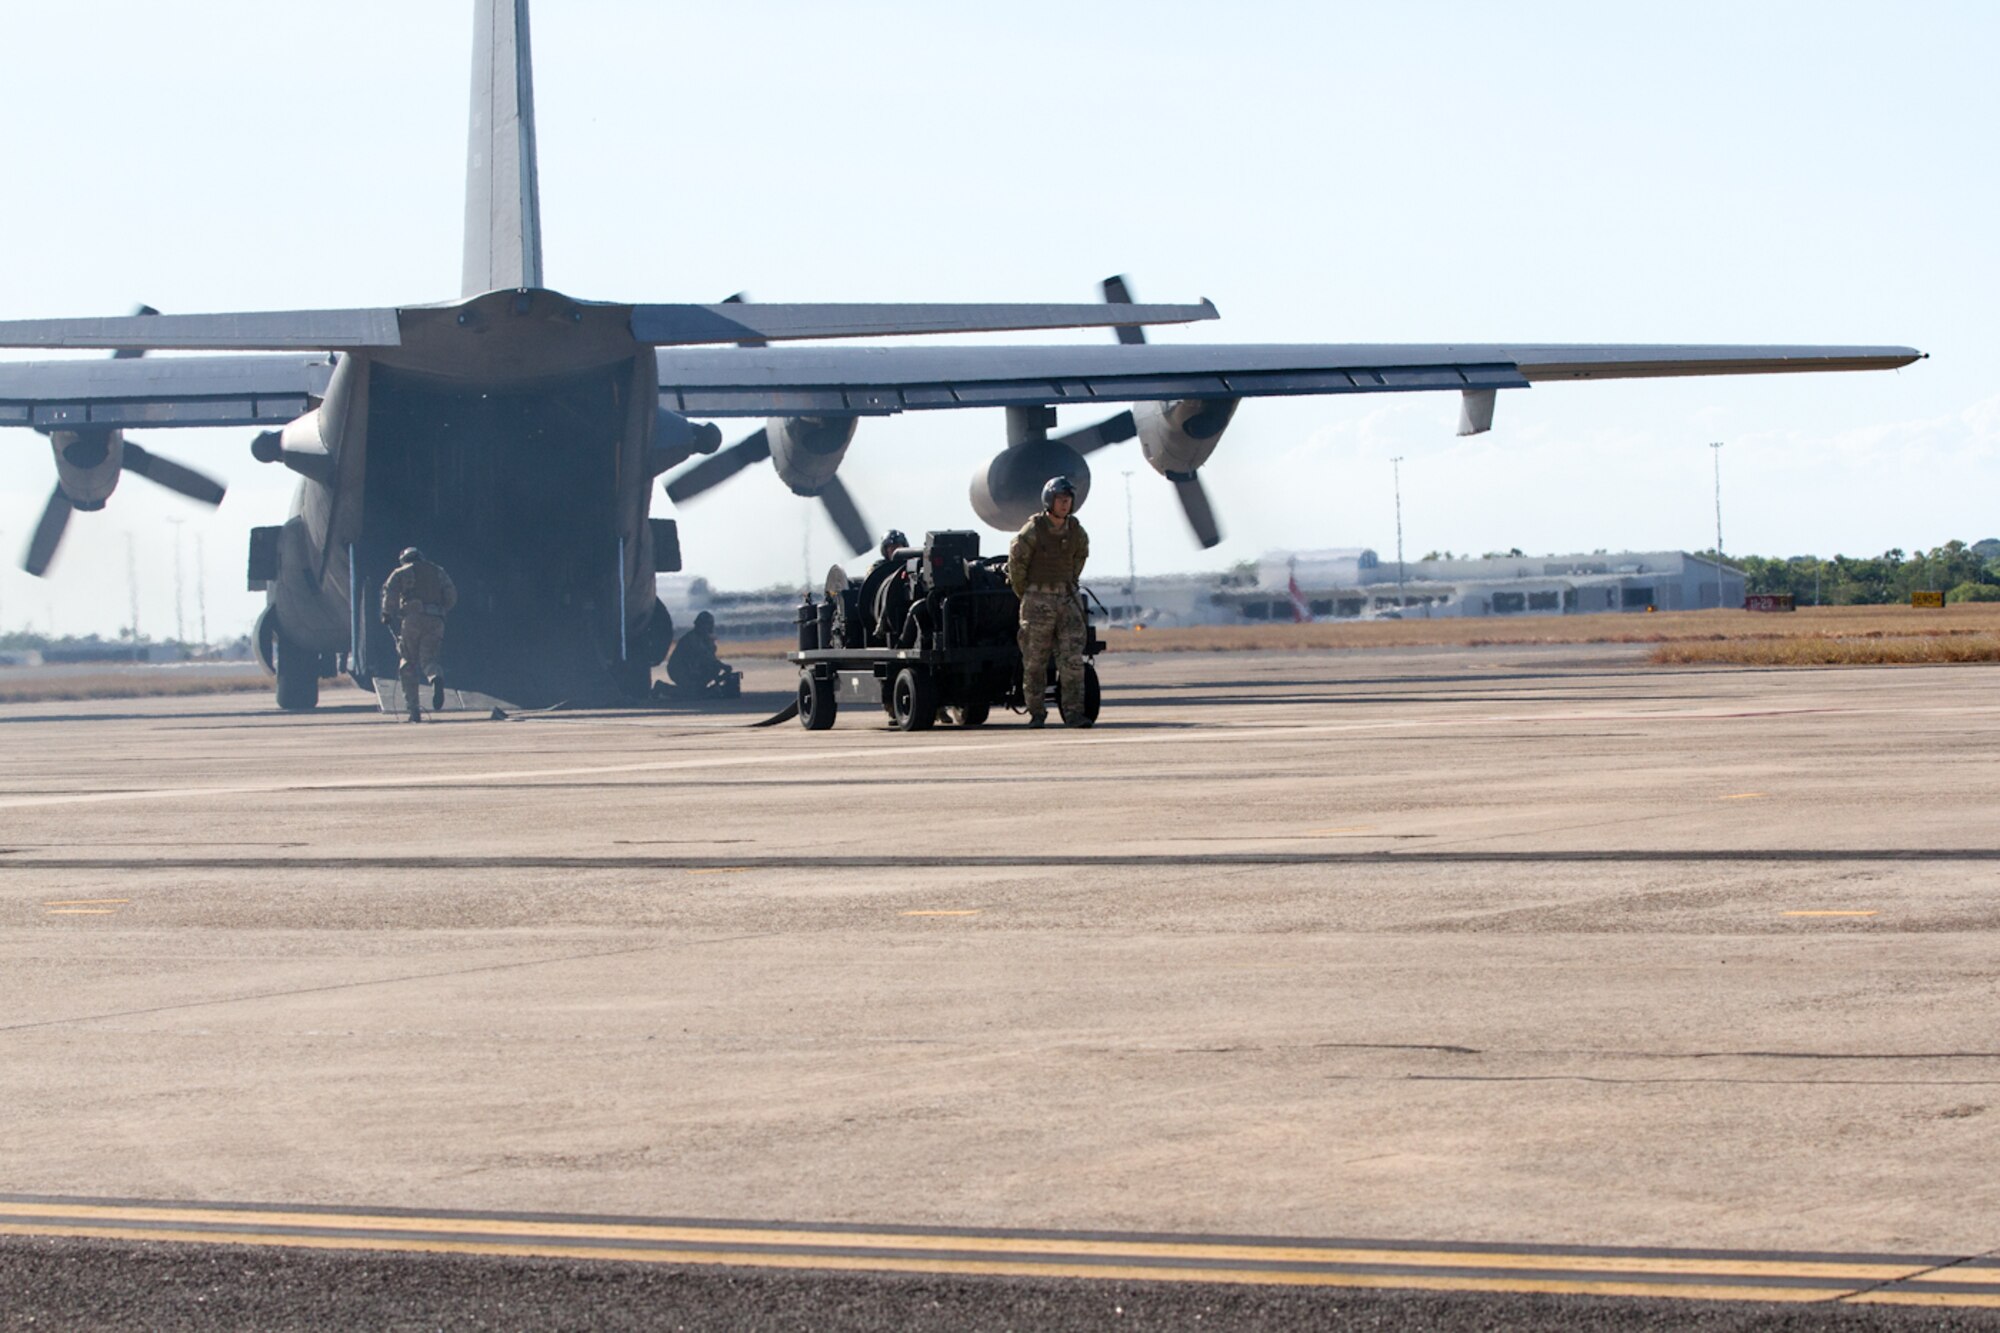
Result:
[
  {"x": 973, "y": 714},
  {"x": 915, "y": 700},
  {"x": 1093, "y": 698},
  {"x": 817, "y": 705}
]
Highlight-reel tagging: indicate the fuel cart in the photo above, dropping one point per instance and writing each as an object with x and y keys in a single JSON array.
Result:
[{"x": 929, "y": 630}]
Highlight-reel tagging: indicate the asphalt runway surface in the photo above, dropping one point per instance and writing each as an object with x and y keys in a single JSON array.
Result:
[{"x": 1531, "y": 949}]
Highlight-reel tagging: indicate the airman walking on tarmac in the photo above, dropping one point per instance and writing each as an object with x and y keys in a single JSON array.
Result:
[
  {"x": 1044, "y": 565},
  {"x": 416, "y": 598}
]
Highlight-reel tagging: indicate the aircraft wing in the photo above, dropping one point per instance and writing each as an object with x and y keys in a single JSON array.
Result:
[
  {"x": 753, "y": 381},
  {"x": 160, "y": 391}
]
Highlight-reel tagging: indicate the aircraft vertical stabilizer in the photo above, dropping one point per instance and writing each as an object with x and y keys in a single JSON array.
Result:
[{"x": 503, "y": 216}]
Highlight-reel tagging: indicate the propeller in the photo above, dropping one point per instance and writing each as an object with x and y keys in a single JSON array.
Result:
[
  {"x": 1192, "y": 494},
  {"x": 161, "y": 471},
  {"x": 719, "y": 466},
  {"x": 1111, "y": 430},
  {"x": 48, "y": 533},
  {"x": 841, "y": 509}
]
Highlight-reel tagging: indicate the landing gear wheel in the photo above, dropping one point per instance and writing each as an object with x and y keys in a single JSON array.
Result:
[
  {"x": 298, "y": 675},
  {"x": 914, "y": 700},
  {"x": 1093, "y": 699},
  {"x": 974, "y": 714},
  {"x": 817, "y": 705}
]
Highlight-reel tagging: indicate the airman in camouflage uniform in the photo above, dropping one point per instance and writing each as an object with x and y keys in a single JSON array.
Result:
[
  {"x": 416, "y": 598},
  {"x": 1044, "y": 564}
]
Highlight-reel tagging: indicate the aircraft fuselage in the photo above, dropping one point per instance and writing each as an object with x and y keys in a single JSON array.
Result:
[{"x": 509, "y": 437}]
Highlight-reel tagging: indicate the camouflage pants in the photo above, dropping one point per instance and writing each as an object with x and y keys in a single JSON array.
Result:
[
  {"x": 1051, "y": 623},
  {"x": 419, "y": 640}
]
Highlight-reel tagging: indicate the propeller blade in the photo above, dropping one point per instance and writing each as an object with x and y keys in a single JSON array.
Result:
[
  {"x": 1111, "y": 430},
  {"x": 1116, "y": 292},
  {"x": 1200, "y": 514},
  {"x": 739, "y": 299},
  {"x": 174, "y": 476},
  {"x": 127, "y": 353},
  {"x": 840, "y": 508},
  {"x": 48, "y": 533},
  {"x": 719, "y": 467}
]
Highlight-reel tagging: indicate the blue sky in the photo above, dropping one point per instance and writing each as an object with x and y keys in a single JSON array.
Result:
[{"x": 1422, "y": 172}]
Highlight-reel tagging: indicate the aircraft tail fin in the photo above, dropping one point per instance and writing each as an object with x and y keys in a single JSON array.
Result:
[{"x": 503, "y": 222}]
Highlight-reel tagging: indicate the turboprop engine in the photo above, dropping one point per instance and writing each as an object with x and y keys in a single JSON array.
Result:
[
  {"x": 1177, "y": 438},
  {"x": 87, "y": 465},
  {"x": 1007, "y": 492},
  {"x": 806, "y": 451},
  {"x": 806, "y": 454}
]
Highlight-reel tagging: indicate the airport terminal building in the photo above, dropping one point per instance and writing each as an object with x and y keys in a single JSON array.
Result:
[{"x": 1356, "y": 584}]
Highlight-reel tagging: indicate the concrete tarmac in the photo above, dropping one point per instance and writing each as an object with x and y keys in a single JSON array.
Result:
[{"x": 1520, "y": 945}]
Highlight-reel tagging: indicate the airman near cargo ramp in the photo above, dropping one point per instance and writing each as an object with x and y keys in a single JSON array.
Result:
[
  {"x": 1044, "y": 566},
  {"x": 416, "y": 598}
]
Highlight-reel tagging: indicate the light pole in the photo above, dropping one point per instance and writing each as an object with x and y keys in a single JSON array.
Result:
[
  {"x": 201, "y": 589},
  {"x": 180, "y": 602},
  {"x": 132, "y": 585},
  {"x": 1131, "y": 546},
  {"x": 1716, "y": 447},
  {"x": 1396, "y": 471}
]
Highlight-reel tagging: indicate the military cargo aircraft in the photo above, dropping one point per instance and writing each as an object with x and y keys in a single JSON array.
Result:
[{"x": 516, "y": 432}]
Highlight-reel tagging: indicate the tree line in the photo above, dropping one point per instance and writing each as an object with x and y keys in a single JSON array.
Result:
[{"x": 1964, "y": 573}]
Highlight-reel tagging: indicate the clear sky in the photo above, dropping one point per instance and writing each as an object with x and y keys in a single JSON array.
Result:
[{"x": 1556, "y": 172}]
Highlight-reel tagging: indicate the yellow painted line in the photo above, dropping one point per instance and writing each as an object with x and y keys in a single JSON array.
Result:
[
  {"x": 1835, "y": 912},
  {"x": 81, "y": 911},
  {"x": 84, "y": 902},
  {"x": 992, "y": 1267},
  {"x": 1984, "y": 1274},
  {"x": 250, "y": 1221},
  {"x": 1744, "y": 796},
  {"x": 954, "y": 911},
  {"x": 1987, "y": 1300}
]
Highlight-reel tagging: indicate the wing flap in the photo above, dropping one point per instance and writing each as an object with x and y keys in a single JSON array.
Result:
[{"x": 878, "y": 380}]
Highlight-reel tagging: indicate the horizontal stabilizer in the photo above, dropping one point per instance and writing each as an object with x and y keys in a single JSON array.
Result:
[
  {"x": 750, "y": 322},
  {"x": 246, "y": 331}
]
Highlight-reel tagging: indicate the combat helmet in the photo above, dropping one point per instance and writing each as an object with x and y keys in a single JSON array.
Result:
[
  {"x": 410, "y": 555},
  {"x": 1057, "y": 486},
  {"x": 704, "y": 622},
  {"x": 892, "y": 541}
]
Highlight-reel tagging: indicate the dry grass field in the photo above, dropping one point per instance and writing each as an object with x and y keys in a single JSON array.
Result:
[
  {"x": 123, "y": 685},
  {"x": 1813, "y": 636}
]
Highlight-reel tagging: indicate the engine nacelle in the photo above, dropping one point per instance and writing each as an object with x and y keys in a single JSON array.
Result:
[
  {"x": 87, "y": 465},
  {"x": 807, "y": 451},
  {"x": 1177, "y": 438},
  {"x": 1008, "y": 491}
]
